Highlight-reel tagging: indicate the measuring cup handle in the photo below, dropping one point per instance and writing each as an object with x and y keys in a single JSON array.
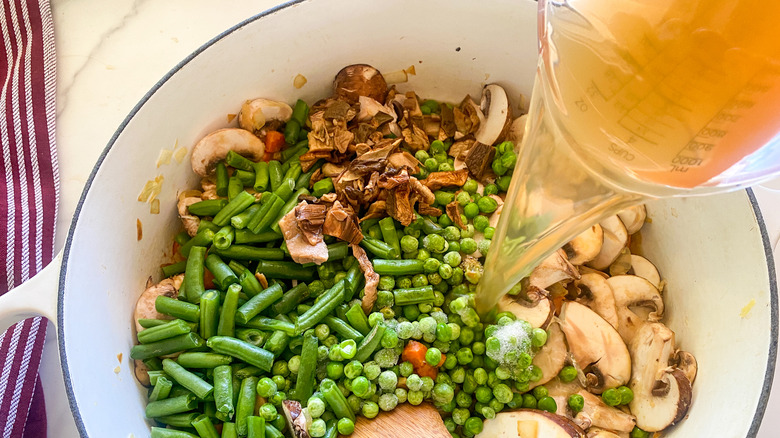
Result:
[{"x": 35, "y": 297}]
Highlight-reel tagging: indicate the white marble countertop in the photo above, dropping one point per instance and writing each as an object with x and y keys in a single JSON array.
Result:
[{"x": 109, "y": 54}]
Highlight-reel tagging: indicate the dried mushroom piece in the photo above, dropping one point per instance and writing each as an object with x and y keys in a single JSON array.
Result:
[
  {"x": 357, "y": 80},
  {"x": 478, "y": 160},
  {"x": 372, "y": 278},
  {"x": 310, "y": 219},
  {"x": 298, "y": 419},
  {"x": 453, "y": 210},
  {"x": 342, "y": 223},
  {"x": 298, "y": 245},
  {"x": 438, "y": 180}
]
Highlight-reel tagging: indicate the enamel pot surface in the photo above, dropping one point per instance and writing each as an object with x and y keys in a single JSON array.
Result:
[{"x": 712, "y": 251}]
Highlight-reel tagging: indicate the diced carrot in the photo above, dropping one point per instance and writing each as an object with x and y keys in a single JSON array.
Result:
[
  {"x": 274, "y": 141},
  {"x": 441, "y": 362},
  {"x": 268, "y": 156},
  {"x": 414, "y": 352},
  {"x": 425, "y": 370}
]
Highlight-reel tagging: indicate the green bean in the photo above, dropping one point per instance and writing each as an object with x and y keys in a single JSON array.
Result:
[
  {"x": 271, "y": 324},
  {"x": 389, "y": 233},
  {"x": 272, "y": 432},
  {"x": 223, "y": 275},
  {"x": 198, "y": 386},
  {"x": 261, "y": 176},
  {"x": 177, "y": 309},
  {"x": 205, "y": 427},
  {"x": 291, "y": 130},
  {"x": 162, "y": 388},
  {"x": 159, "y": 432},
  {"x": 226, "y": 325},
  {"x": 379, "y": 248},
  {"x": 342, "y": 328},
  {"x": 300, "y": 112},
  {"x": 251, "y": 335},
  {"x": 354, "y": 280},
  {"x": 229, "y": 430},
  {"x": 249, "y": 283},
  {"x": 181, "y": 238},
  {"x": 370, "y": 343},
  {"x": 295, "y": 158},
  {"x": 336, "y": 400},
  {"x": 332, "y": 429},
  {"x": 258, "y": 303},
  {"x": 357, "y": 319},
  {"x": 414, "y": 295},
  {"x": 291, "y": 298},
  {"x": 174, "y": 268},
  {"x": 307, "y": 376},
  {"x": 265, "y": 222},
  {"x": 322, "y": 187},
  {"x": 338, "y": 251},
  {"x": 303, "y": 181},
  {"x": 169, "y": 406},
  {"x": 234, "y": 187},
  {"x": 200, "y": 359},
  {"x": 328, "y": 301},
  {"x": 275, "y": 174},
  {"x": 248, "y": 253},
  {"x": 207, "y": 225},
  {"x": 168, "y": 330},
  {"x": 194, "y": 274},
  {"x": 285, "y": 270},
  {"x": 203, "y": 238},
  {"x": 234, "y": 207},
  {"x": 247, "y": 178},
  {"x": 285, "y": 189},
  {"x": 209, "y": 313},
  {"x": 398, "y": 267},
  {"x": 223, "y": 390},
  {"x": 268, "y": 204},
  {"x": 154, "y": 376},
  {"x": 429, "y": 227},
  {"x": 224, "y": 237},
  {"x": 177, "y": 420},
  {"x": 241, "y": 220},
  {"x": 255, "y": 427},
  {"x": 246, "y": 404},
  {"x": 238, "y": 268},
  {"x": 293, "y": 172},
  {"x": 208, "y": 207},
  {"x": 239, "y": 349},
  {"x": 237, "y": 161},
  {"x": 288, "y": 207},
  {"x": 222, "y": 179},
  {"x": 277, "y": 343},
  {"x": 153, "y": 363},
  {"x": 246, "y": 236}
]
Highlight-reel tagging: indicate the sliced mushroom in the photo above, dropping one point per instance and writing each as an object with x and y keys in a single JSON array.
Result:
[
  {"x": 144, "y": 307},
  {"x": 595, "y": 432},
  {"x": 686, "y": 363},
  {"x": 215, "y": 146},
  {"x": 596, "y": 347},
  {"x": 370, "y": 108},
  {"x": 538, "y": 313},
  {"x": 530, "y": 423},
  {"x": 517, "y": 130},
  {"x": 615, "y": 239},
  {"x": 633, "y": 218},
  {"x": 256, "y": 113},
  {"x": 358, "y": 80},
  {"x": 141, "y": 372},
  {"x": 190, "y": 222},
  {"x": 597, "y": 295},
  {"x": 641, "y": 267},
  {"x": 586, "y": 246},
  {"x": 596, "y": 413},
  {"x": 662, "y": 394},
  {"x": 553, "y": 269},
  {"x": 298, "y": 419},
  {"x": 634, "y": 292},
  {"x": 552, "y": 356},
  {"x": 498, "y": 115}
]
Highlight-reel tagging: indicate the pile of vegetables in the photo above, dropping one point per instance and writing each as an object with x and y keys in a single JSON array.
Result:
[{"x": 253, "y": 333}]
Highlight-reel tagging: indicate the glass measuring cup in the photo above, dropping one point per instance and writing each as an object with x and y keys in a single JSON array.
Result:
[{"x": 632, "y": 101}]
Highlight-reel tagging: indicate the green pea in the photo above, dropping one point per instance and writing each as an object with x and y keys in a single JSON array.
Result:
[
  {"x": 503, "y": 182},
  {"x": 463, "y": 198},
  {"x": 445, "y": 167},
  {"x": 433, "y": 357},
  {"x": 345, "y": 426},
  {"x": 481, "y": 222},
  {"x": 490, "y": 189},
  {"x": 370, "y": 409},
  {"x": 471, "y": 210},
  {"x": 540, "y": 392},
  {"x": 421, "y": 155},
  {"x": 335, "y": 370},
  {"x": 611, "y": 397},
  {"x": 470, "y": 186},
  {"x": 360, "y": 386},
  {"x": 576, "y": 402},
  {"x": 489, "y": 232},
  {"x": 529, "y": 401},
  {"x": 538, "y": 337},
  {"x": 639, "y": 433},
  {"x": 445, "y": 220},
  {"x": 266, "y": 387},
  {"x": 468, "y": 245},
  {"x": 626, "y": 395},
  {"x": 567, "y": 374},
  {"x": 548, "y": 404},
  {"x": 473, "y": 426},
  {"x": 463, "y": 399},
  {"x": 431, "y": 165}
]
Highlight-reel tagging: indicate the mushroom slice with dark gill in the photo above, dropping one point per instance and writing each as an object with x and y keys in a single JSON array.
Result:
[
  {"x": 297, "y": 419},
  {"x": 615, "y": 239},
  {"x": 594, "y": 292},
  {"x": 538, "y": 312},
  {"x": 586, "y": 246},
  {"x": 662, "y": 394},
  {"x": 596, "y": 347},
  {"x": 631, "y": 294},
  {"x": 641, "y": 267},
  {"x": 596, "y": 413},
  {"x": 215, "y": 146},
  {"x": 553, "y": 269},
  {"x": 498, "y": 115},
  {"x": 530, "y": 423}
]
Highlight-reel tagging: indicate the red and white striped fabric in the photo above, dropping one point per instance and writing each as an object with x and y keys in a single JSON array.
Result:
[{"x": 28, "y": 198}]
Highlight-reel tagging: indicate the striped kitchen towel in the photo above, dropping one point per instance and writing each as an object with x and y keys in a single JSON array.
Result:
[{"x": 28, "y": 199}]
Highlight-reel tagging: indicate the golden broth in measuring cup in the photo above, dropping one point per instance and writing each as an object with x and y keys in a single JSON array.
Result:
[
  {"x": 636, "y": 99},
  {"x": 664, "y": 91}
]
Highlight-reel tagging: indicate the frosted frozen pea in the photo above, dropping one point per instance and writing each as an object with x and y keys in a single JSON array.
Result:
[
  {"x": 370, "y": 409},
  {"x": 427, "y": 337},
  {"x": 387, "y": 380},
  {"x": 371, "y": 370},
  {"x": 427, "y": 384},
  {"x": 316, "y": 407},
  {"x": 439, "y": 316},
  {"x": 400, "y": 394},
  {"x": 406, "y": 369},
  {"x": 375, "y": 318},
  {"x": 386, "y": 357},
  {"x": 417, "y": 332},
  {"x": 428, "y": 325},
  {"x": 388, "y": 402},
  {"x": 414, "y": 382},
  {"x": 317, "y": 428},
  {"x": 414, "y": 397},
  {"x": 405, "y": 330}
]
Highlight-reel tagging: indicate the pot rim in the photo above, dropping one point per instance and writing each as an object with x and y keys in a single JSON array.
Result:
[{"x": 773, "y": 288}]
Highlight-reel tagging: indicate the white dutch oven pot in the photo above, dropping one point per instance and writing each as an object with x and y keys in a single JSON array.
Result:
[{"x": 712, "y": 251}]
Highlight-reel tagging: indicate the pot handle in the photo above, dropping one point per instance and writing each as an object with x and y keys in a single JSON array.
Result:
[{"x": 35, "y": 297}]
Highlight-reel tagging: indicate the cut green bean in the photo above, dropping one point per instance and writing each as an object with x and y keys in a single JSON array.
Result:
[
  {"x": 159, "y": 432},
  {"x": 398, "y": 267},
  {"x": 258, "y": 303},
  {"x": 239, "y": 349},
  {"x": 162, "y": 388},
  {"x": 354, "y": 280},
  {"x": 285, "y": 270},
  {"x": 378, "y": 248},
  {"x": 223, "y": 275},
  {"x": 261, "y": 176},
  {"x": 247, "y": 178},
  {"x": 170, "y": 406},
  {"x": 338, "y": 251},
  {"x": 250, "y": 335},
  {"x": 234, "y": 207},
  {"x": 224, "y": 237},
  {"x": 322, "y": 187},
  {"x": 275, "y": 174},
  {"x": 227, "y": 322},
  {"x": 229, "y": 430},
  {"x": 271, "y": 324},
  {"x": 268, "y": 203},
  {"x": 285, "y": 189},
  {"x": 307, "y": 376},
  {"x": 207, "y": 225},
  {"x": 246, "y": 404},
  {"x": 288, "y": 207},
  {"x": 342, "y": 328},
  {"x": 389, "y": 233},
  {"x": 177, "y": 420},
  {"x": 237, "y": 161},
  {"x": 205, "y": 427},
  {"x": 247, "y": 252},
  {"x": 187, "y": 379},
  {"x": 296, "y": 158},
  {"x": 358, "y": 319},
  {"x": 272, "y": 432},
  {"x": 174, "y": 268},
  {"x": 370, "y": 343},
  {"x": 277, "y": 343},
  {"x": 223, "y": 390},
  {"x": 235, "y": 186},
  {"x": 154, "y": 376},
  {"x": 181, "y": 238},
  {"x": 249, "y": 283},
  {"x": 167, "y": 346},
  {"x": 291, "y": 298},
  {"x": 168, "y": 330},
  {"x": 177, "y": 308},
  {"x": 415, "y": 295},
  {"x": 255, "y": 427},
  {"x": 241, "y": 220},
  {"x": 209, "y": 313},
  {"x": 293, "y": 172},
  {"x": 246, "y": 236},
  {"x": 208, "y": 207},
  {"x": 194, "y": 274},
  {"x": 304, "y": 180},
  {"x": 291, "y": 130},
  {"x": 222, "y": 179},
  {"x": 203, "y": 238},
  {"x": 238, "y": 268},
  {"x": 336, "y": 400},
  {"x": 268, "y": 219},
  {"x": 327, "y": 302},
  {"x": 200, "y": 359},
  {"x": 300, "y": 112}
]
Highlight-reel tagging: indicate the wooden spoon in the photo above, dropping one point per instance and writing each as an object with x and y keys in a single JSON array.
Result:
[{"x": 405, "y": 421}]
